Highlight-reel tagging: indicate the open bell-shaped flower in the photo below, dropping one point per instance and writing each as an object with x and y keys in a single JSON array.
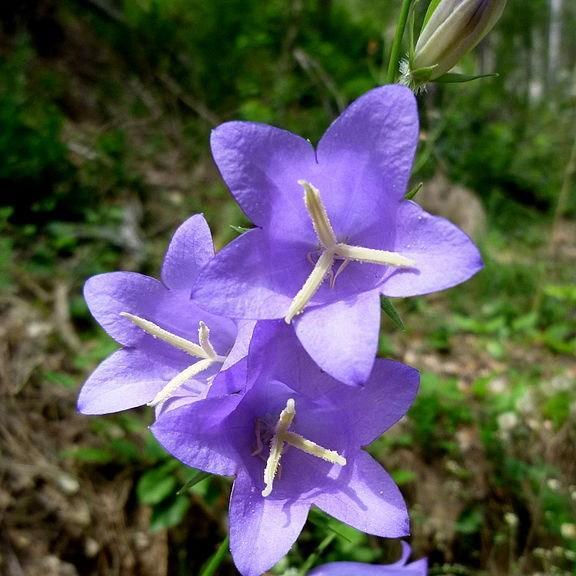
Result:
[
  {"x": 172, "y": 349},
  {"x": 294, "y": 438},
  {"x": 333, "y": 230}
]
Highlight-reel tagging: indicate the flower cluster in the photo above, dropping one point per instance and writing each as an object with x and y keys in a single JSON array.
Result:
[{"x": 260, "y": 360}]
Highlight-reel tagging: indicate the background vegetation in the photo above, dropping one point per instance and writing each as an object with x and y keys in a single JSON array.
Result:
[{"x": 105, "y": 112}]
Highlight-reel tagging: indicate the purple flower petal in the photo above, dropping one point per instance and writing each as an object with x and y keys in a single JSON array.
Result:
[
  {"x": 359, "y": 569},
  {"x": 241, "y": 344},
  {"x": 400, "y": 568},
  {"x": 261, "y": 165},
  {"x": 190, "y": 249},
  {"x": 386, "y": 397},
  {"x": 275, "y": 350},
  {"x": 107, "y": 295},
  {"x": 127, "y": 379},
  {"x": 367, "y": 499},
  {"x": 195, "y": 436},
  {"x": 262, "y": 530},
  {"x": 335, "y": 333},
  {"x": 444, "y": 255},
  {"x": 231, "y": 381},
  {"x": 243, "y": 282},
  {"x": 369, "y": 152}
]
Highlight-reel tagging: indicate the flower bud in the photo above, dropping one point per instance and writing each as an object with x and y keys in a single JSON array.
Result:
[{"x": 454, "y": 28}]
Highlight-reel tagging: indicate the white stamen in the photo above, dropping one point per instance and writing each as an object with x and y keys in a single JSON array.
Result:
[
  {"x": 179, "y": 379},
  {"x": 372, "y": 256},
  {"x": 313, "y": 449},
  {"x": 204, "y": 339},
  {"x": 205, "y": 351},
  {"x": 318, "y": 213},
  {"x": 283, "y": 436},
  {"x": 331, "y": 250},
  {"x": 276, "y": 446},
  {"x": 305, "y": 294},
  {"x": 157, "y": 332}
]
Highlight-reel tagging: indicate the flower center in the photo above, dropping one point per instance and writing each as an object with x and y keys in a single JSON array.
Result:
[
  {"x": 283, "y": 436},
  {"x": 331, "y": 250},
  {"x": 203, "y": 350}
]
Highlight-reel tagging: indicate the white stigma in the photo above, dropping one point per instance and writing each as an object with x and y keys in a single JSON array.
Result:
[
  {"x": 331, "y": 250},
  {"x": 204, "y": 350},
  {"x": 283, "y": 436}
]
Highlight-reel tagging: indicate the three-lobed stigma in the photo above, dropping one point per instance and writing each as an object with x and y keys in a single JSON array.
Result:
[
  {"x": 331, "y": 250},
  {"x": 204, "y": 350},
  {"x": 282, "y": 436}
]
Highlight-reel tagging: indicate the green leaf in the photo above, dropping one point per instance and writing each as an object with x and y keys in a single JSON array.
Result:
[
  {"x": 470, "y": 522},
  {"x": 216, "y": 559},
  {"x": 156, "y": 485},
  {"x": 496, "y": 349},
  {"x": 60, "y": 378},
  {"x": 557, "y": 408},
  {"x": 169, "y": 513},
  {"x": 453, "y": 78},
  {"x": 402, "y": 477},
  {"x": 391, "y": 312},
  {"x": 561, "y": 292},
  {"x": 414, "y": 190},
  {"x": 90, "y": 455},
  {"x": 197, "y": 476}
]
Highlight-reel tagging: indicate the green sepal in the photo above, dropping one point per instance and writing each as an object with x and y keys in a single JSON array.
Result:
[
  {"x": 411, "y": 41},
  {"x": 453, "y": 78},
  {"x": 422, "y": 75},
  {"x": 239, "y": 229},
  {"x": 391, "y": 312},
  {"x": 433, "y": 5},
  {"x": 413, "y": 191}
]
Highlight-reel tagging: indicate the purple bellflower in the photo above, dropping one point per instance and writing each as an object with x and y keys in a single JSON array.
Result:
[
  {"x": 333, "y": 230},
  {"x": 294, "y": 439},
  {"x": 400, "y": 568},
  {"x": 172, "y": 349}
]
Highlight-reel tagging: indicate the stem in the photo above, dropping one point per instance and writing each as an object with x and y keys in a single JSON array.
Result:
[
  {"x": 217, "y": 559},
  {"x": 397, "y": 43},
  {"x": 559, "y": 209},
  {"x": 316, "y": 554},
  {"x": 562, "y": 199}
]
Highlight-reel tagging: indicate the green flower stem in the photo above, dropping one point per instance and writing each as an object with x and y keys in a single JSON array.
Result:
[
  {"x": 561, "y": 201},
  {"x": 217, "y": 559},
  {"x": 394, "y": 64},
  {"x": 316, "y": 554}
]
